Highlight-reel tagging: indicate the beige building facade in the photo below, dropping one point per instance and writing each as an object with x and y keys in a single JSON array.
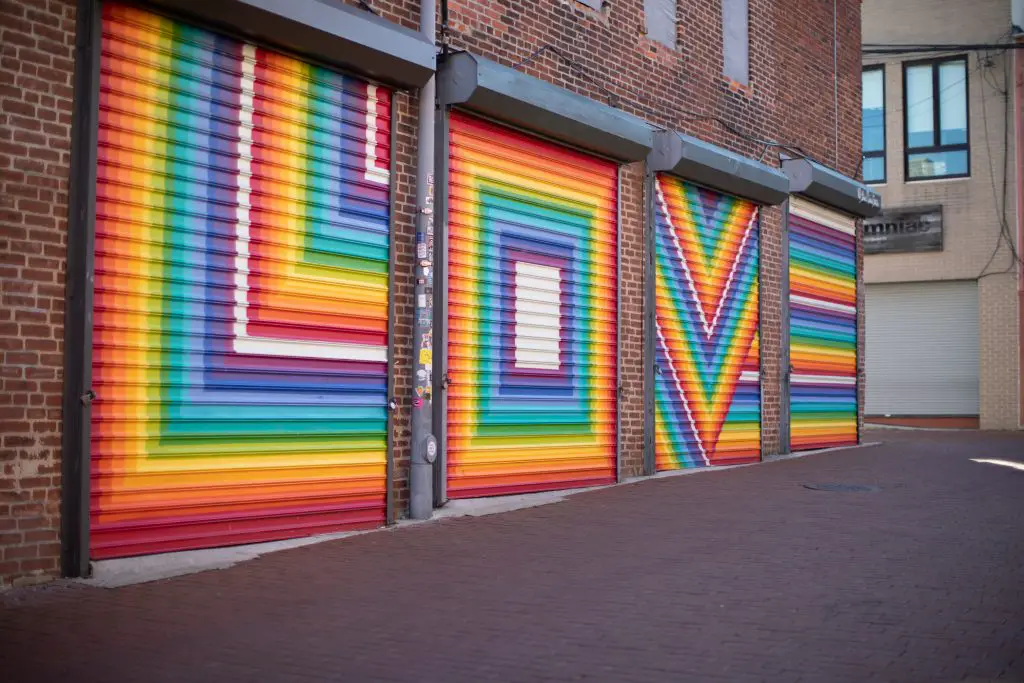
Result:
[{"x": 943, "y": 314}]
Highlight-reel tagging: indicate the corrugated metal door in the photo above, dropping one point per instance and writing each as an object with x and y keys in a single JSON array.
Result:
[
  {"x": 822, "y": 327},
  {"x": 707, "y": 382},
  {"x": 922, "y": 349},
  {"x": 241, "y": 293},
  {"x": 532, "y": 313}
]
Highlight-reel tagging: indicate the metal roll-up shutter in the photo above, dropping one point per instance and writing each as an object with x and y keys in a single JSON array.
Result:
[
  {"x": 532, "y": 288},
  {"x": 922, "y": 349},
  {"x": 822, "y": 326},
  {"x": 707, "y": 382},
  {"x": 240, "y": 341}
]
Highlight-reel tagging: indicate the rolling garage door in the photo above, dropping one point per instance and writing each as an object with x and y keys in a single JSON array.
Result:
[
  {"x": 241, "y": 293},
  {"x": 532, "y": 313},
  {"x": 822, "y": 326},
  {"x": 707, "y": 384},
  {"x": 922, "y": 349}
]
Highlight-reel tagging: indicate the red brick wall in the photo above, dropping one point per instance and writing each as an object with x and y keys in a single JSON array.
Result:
[
  {"x": 36, "y": 70},
  {"x": 631, "y": 320},
  {"x": 808, "y": 111},
  {"x": 789, "y": 98},
  {"x": 405, "y": 264}
]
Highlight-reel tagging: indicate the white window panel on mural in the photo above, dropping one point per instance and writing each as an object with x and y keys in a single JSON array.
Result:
[{"x": 538, "y": 310}]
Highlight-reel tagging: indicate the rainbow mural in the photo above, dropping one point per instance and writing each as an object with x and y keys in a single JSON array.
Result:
[
  {"x": 823, "y": 327},
  {"x": 707, "y": 386},
  {"x": 532, "y": 313},
  {"x": 241, "y": 293}
]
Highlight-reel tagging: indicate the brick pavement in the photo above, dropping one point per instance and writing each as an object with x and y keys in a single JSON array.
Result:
[{"x": 742, "y": 575}]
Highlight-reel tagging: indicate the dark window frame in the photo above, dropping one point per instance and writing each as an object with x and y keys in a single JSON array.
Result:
[
  {"x": 883, "y": 153},
  {"x": 934, "y": 63}
]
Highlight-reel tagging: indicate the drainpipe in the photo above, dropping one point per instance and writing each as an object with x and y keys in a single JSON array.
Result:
[
  {"x": 835, "y": 74},
  {"x": 424, "y": 446},
  {"x": 1018, "y": 143}
]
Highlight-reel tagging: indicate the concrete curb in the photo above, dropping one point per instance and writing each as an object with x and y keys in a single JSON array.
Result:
[{"x": 134, "y": 570}]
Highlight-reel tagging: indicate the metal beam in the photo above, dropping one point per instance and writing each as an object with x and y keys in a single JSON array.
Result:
[
  {"x": 326, "y": 30},
  {"x": 828, "y": 187},
  {"x": 717, "y": 168},
  {"x": 513, "y": 97}
]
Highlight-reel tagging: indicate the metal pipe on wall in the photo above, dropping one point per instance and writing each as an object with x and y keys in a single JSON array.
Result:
[
  {"x": 786, "y": 364},
  {"x": 424, "y": 445},
  {"x": 1018, "y": 91},
  {"x": 835, "y": 73},
  {"x": 78, "y": 394}
]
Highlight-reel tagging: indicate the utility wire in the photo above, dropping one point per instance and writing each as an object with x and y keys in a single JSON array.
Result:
[
  {"x": 880, "y": 49},
  {"x": 1005, "y": 234},
  {"x": 368, "y": 7},
  {"x": 901, "y": 108},
  {"x": 614, "y": 100}
]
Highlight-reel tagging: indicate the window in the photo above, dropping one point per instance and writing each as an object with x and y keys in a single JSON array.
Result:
[
  {"x": 935, "y": 119},
  {"x": 735, "y": 40},
  {"x": 873, "y": 124},
  {"x": 660, "y": 17}
]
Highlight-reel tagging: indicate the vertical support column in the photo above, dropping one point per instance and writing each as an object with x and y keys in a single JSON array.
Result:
[
  {"x": 442, "y": 144},
  {"x": 770, "y": 277},
  {"x": 392, "y": 267},
  {"x": 424, "y": 446},
  {"x": 619, "y": 385},
  {"x": 649, "y": 357},
  {"x": 785, "y": 362},
  {"x": 859, "y": 317},
  {"x": 1018, "y": 143},
  {"x": 78, "y": 395}
]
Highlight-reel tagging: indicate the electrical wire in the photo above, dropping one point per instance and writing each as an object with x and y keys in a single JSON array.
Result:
[
  {"x": 895, "y": 49},
  {"x": 614, "y": 100},
  {"x": 1005, "y": 234},
  {"x": 368, "y": 7}
]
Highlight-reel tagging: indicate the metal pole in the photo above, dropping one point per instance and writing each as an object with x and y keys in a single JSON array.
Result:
[
  {"x": 441, "y": 145},
  {"x": 424, "y": 446},
  {"x": 619, "y": 386},
  {"x": 835, "y": 75},
  {"x": 1018, "y": 89},
  {"x": 392, "y": 269},
  {"x": 78, "y": 394}
]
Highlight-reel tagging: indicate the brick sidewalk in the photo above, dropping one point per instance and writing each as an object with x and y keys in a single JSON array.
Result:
[{"x": 742, "y": 575}]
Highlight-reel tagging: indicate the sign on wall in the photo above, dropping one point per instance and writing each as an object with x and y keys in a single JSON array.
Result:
[{"x": 904, "y": 230}]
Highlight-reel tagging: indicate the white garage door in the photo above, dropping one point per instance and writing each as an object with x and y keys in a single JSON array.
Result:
[{"x": 922, "y": 348}]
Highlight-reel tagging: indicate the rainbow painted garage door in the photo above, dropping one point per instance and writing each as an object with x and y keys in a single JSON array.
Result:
[
  {"x": 823, "y": 327},
  {"x": 240, "y": 340},
  {"x": 707, "y": 384},
  {"x": 532, "y": 313}
]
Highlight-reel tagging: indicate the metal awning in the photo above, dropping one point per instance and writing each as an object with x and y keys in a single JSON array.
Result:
[
  {"x": 508, "y": 95},
  {"x": 326, "y": 30},
  {"x": 717, "y": 168},
  {"x": 822, "y": 184}
]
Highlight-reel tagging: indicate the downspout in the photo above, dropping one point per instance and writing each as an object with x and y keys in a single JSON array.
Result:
[
  {"x": 424, "y": 446},
  {"x": 1018, "y": 143},
  {"x": 835, "y": 74}
]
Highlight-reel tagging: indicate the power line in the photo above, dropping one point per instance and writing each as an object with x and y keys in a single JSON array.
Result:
[
  {"x": 368, "y": 7},
  {"x": 614, "y": 100},
  {"x": 930, "y": 96},
  {"x": 1005, "y": 234},
  {"x": 896, "y": 49}
]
